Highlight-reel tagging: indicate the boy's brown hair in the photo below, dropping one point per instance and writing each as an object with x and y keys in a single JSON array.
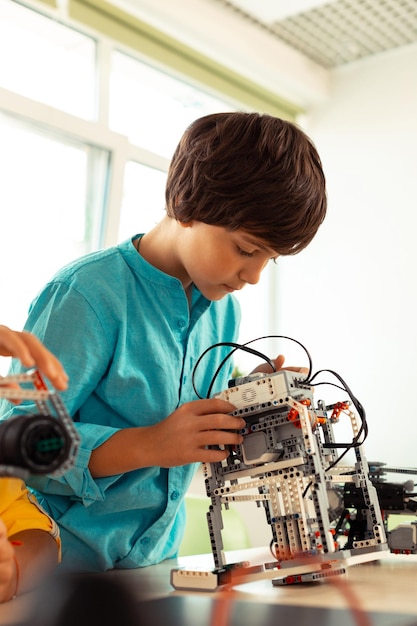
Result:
[{"x": 250, "y": 171}]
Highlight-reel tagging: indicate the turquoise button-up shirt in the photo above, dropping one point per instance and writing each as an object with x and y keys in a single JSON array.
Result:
[{"x": 129, "y": 341}]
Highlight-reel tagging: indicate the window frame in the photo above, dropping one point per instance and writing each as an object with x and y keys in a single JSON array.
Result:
[
  {"x": 153, "y": 46},
  {"x": 92, "y": 133},
  {"x": 114, "y": 29}
]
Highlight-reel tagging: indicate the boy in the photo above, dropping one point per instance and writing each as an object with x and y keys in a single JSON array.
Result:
[
  {"x": 29, "y": 539},
  {"x": 130, "y": 322}
]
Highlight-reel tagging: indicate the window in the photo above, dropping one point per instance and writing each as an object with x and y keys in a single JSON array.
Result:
[
  {"x": 143, "y": 199},
  {"x": 47, "y": 61},
  {"x": 49, "y": 213},
  {"x": 152, "y": 108},
  {"x": 84, "y": 161}
]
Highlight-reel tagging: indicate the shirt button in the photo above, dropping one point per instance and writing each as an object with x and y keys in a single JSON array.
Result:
[
  {"x": 181, "y": 323},
  {"x": 145, "y": 540},
  {"x": 175, "y": 495}
]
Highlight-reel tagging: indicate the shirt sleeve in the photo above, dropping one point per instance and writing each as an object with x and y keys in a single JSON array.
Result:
[
  {"x": 77, "y": 482},
  {"x": 69, "y": 325}
]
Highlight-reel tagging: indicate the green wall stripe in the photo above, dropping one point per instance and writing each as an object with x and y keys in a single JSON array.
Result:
[{"x": 128, "y": 30}]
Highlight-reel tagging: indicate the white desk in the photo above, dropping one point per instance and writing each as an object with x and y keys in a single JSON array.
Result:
[{"x": 388, "y": 586}]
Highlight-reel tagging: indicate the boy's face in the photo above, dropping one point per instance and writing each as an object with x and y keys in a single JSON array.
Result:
[{"x": 219, "y": 261}]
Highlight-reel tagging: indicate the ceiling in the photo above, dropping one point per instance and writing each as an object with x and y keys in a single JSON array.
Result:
[{"x": 335, "y": 32}]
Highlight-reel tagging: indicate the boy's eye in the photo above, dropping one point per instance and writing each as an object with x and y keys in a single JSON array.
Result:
[{"x": 244, "y": 252}]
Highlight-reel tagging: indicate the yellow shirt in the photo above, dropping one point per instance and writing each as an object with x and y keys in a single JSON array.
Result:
[{"x": 20, "y": 510}]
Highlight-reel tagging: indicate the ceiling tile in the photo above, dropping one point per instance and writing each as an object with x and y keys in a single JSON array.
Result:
[{"x": 339, "y": 32}]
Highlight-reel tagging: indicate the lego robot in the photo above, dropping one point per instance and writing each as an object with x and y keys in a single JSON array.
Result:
[
  {"x": 290, "y": 464},
  {"x": 394, "y": 499}
]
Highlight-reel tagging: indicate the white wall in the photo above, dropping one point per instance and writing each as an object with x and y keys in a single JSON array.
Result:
[{"x": 352, "y": 295}]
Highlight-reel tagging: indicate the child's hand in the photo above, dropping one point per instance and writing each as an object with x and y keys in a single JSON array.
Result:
[
  {"x": 184, "y": 436},
  {"x": 7, "y": 566},
  {"x": 279, "y": 362},
  {"x": 181, "y": 438},
  {"x": 32, "y": 353}
]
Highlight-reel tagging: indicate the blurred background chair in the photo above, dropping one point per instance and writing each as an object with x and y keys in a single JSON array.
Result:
[{"x": 196, "y": 536}]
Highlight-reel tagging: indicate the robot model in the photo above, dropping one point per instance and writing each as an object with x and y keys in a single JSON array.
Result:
[
  {"x": 290, "y": 464},
  {"x": 396, "y": 499},
  {"x": 42, "y": 443}
]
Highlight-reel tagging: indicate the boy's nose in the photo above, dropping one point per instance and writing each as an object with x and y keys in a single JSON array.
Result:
[{"x": 251, "y": 273}]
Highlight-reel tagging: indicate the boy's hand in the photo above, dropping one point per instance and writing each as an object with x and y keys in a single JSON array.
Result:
[
  {"x": 184, "y": 436},
  {"x": 7, "y": 565},
  {"x": 181, "y": 438},
  {"x": 279, "y": 362}
]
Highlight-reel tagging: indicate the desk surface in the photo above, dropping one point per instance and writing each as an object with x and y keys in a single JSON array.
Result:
[{"x": 385, "y": 586}]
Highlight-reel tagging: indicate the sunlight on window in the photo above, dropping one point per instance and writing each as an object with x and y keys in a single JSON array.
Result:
[
  {"x": 56, "y": 193},
  {"x": 47, "y": 218},
  {"x": 46, "y": 61},
  {"x": 152, "y": 108},
  {"x": 143, "y": 199}
]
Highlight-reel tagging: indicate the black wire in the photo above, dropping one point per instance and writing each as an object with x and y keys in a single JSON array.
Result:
[
  {"x": 271, "y": 543},
  {"x": 339, "y": 524},
  {"x": 360, "y": 409},
  {"x": 303, "y": 495},
  {"x": 245, "y": 348},
  {"x": 236, "y": 346},
  {"x": 363, "y": 430}
]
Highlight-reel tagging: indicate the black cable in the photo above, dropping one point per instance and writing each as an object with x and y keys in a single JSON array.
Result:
[
  {"x": 236, "y": 346},
  {"x": 310, "y": 378},
  {"x": 360, "y": 409},
  {"x": 271, "y": 544},
  {"x": 355, "y": 443},
  {"x": 245, "y": 348}
]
